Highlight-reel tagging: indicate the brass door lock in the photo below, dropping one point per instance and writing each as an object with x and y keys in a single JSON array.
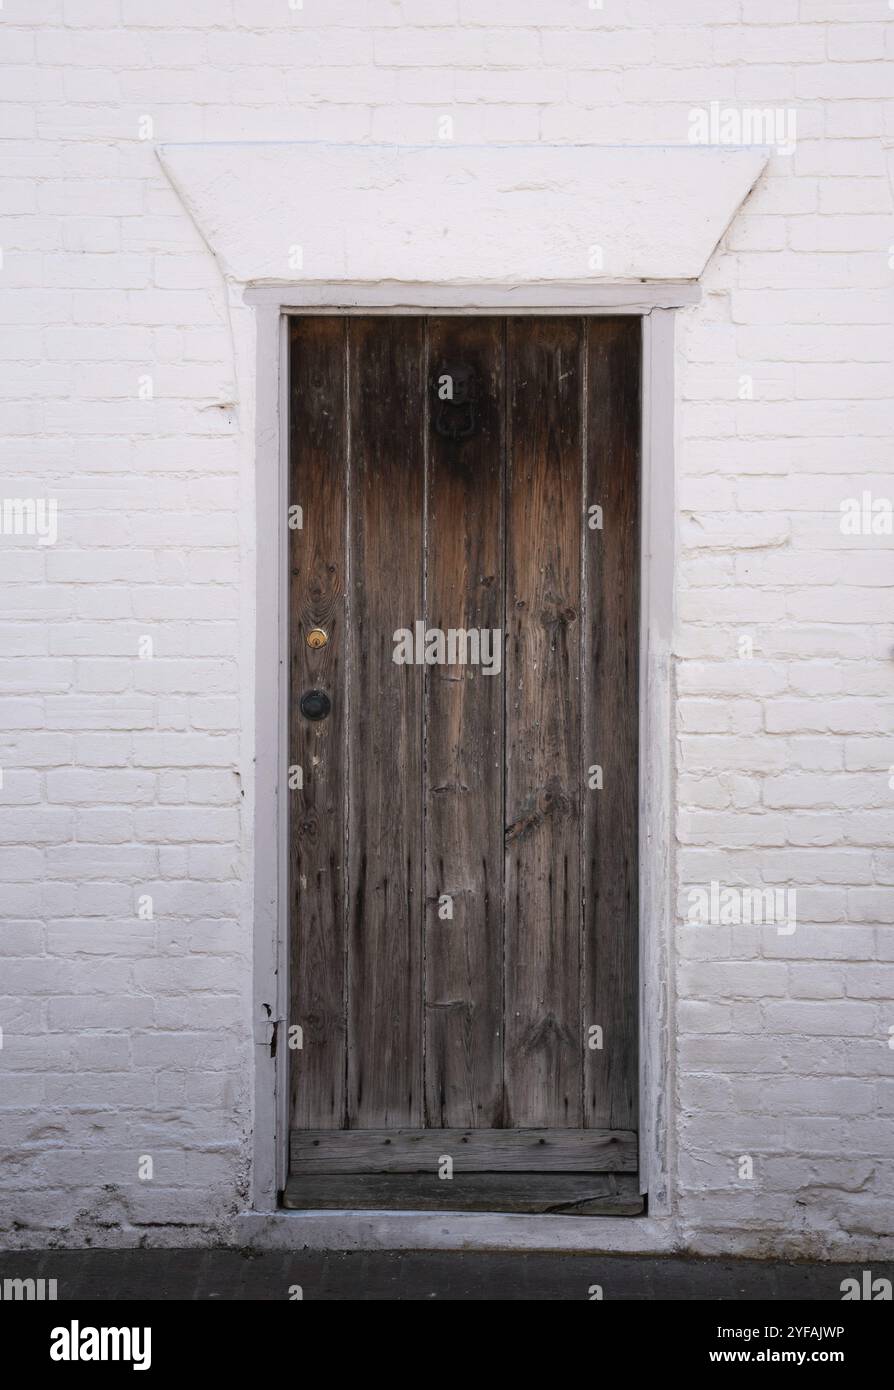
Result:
[{"x": 317, "y": 638}]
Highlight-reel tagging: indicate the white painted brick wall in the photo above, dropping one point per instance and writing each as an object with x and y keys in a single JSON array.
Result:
[{"x": 123, "y": 777}]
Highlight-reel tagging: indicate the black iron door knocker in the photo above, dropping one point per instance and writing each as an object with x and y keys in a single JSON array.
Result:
[{"x": 456, "y": 402}]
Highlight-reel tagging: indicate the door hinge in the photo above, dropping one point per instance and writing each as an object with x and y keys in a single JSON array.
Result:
[{"x": 267, "y": 1034}]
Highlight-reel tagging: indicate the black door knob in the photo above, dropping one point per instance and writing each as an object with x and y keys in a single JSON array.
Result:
[{"x": 314, "y": 704}]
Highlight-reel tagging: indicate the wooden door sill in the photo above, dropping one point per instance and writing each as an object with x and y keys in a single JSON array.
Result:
[
  {"x": 556, "y": 1194},
  {"x": 326, "y": 1152}
]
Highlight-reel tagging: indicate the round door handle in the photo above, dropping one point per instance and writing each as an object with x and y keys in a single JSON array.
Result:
[{"x": 314, "y": 704}]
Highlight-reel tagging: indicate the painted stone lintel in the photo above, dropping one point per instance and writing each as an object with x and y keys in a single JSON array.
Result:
[{"x": 287, "y": 213}]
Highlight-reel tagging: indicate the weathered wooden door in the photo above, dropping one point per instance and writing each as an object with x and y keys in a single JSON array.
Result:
[{"x": 463, "y": 726}]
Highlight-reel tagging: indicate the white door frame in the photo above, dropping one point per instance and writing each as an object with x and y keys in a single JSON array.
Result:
[{"x": 273, "y": 305}]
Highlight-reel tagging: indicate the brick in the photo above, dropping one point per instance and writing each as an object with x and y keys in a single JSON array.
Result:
[
  {"x": 167, "y": 14},
  {"x": 838, "y": 1019},
  {"x": 77, "y": 1013},
  {"x": 743, "y": 978}
]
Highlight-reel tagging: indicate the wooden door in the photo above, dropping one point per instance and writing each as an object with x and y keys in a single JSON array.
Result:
[{"x": 463, "y": 841}]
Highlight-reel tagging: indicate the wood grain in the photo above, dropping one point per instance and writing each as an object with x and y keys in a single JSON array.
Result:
[
  {"x": 544, "y": 1046},
  {"x": 317, "y": 443},
  {"x": 425, "y": 1035},
  {"x": 610, "y": 1194},
  {"x": 472, "y": 1150},
  {"x": 464, "y": 744},
  {"x": 610, "y": 720},
  {"x": 385, "y": 887}
]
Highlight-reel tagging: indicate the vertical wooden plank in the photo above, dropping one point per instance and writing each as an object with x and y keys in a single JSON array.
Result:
[
  {"x": 464, "y": 743},
  {"x": 610, "y": 658},
  {"x": 385, "y": 888},
  {"x": 543, "y": 1067},
  {"x": 317, "y": 449}
]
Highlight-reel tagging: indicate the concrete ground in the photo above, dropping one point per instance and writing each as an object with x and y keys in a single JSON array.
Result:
[{"x": 412, "y": 1276}]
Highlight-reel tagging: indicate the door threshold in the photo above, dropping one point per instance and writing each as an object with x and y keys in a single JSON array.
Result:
[{"x": 555, "y": 1194}]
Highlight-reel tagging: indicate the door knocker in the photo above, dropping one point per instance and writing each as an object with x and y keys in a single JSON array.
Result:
[{"x": 456, "y": 402}]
